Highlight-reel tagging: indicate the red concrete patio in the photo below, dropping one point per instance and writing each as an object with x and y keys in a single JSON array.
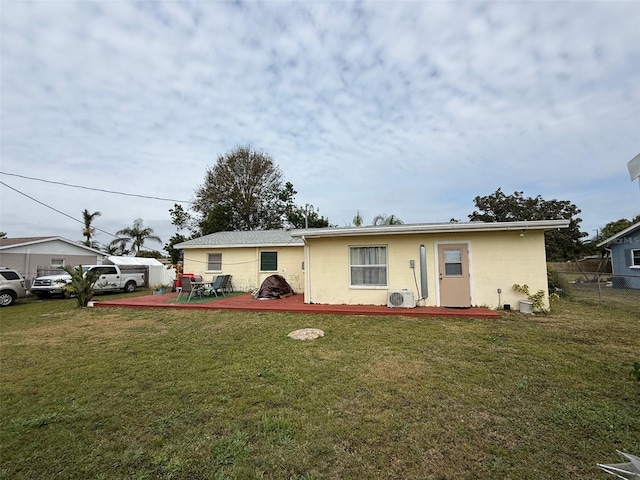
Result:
[{"x": 293, "y": 304}]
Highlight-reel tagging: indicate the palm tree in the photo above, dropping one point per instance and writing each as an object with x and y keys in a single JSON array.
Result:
[
  {"x": 357, "y": 220},
  {"x": 383, "y": 219},
  {"x": 137, "y": 235},
  {"x": 88, "y": 230}
]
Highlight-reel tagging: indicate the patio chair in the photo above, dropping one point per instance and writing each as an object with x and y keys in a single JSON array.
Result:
[
  {"x": 216, "y": 286},
  {"x": 227, "y": 285},
  {"x": 189, "y": 287}
]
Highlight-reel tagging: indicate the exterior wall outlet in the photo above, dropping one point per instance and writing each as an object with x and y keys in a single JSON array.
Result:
[
  {"x": 499, "y": 290},
  {"x": 412, "y": 264}
]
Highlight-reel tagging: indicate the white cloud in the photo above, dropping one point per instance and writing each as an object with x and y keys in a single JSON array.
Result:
[{"x": 412, "y": 107}]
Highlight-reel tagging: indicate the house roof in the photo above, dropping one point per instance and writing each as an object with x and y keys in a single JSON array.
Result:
[
  {"x": 252, "y": 238},
  {"x": 6, "y": 243},
  {"x": 621, "y": 234},
  {"x": 406, "y": 229},
  {"x": 286, "y": 238}
]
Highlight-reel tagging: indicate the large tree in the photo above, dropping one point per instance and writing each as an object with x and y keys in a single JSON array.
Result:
[
  {"x": 561, "y": 245},
  {"x": 88, "y": 229},
  {"x": 137, "y": 234},
  {"x": 384, "y": 219},
  {"x": 245, "y": 190}
]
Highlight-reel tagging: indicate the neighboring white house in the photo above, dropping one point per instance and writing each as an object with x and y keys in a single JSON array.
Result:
[{"x": 27, "y": 254}]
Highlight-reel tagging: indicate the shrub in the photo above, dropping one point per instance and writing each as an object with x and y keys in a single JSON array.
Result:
[{"x": 557, "y": 283}]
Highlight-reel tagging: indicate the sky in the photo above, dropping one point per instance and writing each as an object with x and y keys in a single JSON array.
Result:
[{"x": 410, "y": 108}]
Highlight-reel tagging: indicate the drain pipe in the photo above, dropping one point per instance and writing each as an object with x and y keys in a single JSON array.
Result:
[
  {"x": 423, "y": 272},
  {"x": 307, "y": 271}
]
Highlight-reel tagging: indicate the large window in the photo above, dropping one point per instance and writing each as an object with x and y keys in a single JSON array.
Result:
[
  {"x": 214, "y": 262},
  {"x": 368, "y": 266},
  {"x": 268, "y": 261},
  {"x": 635, "y": 258}
]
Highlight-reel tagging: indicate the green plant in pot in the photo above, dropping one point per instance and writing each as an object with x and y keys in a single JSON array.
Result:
[{"x": 536, "y": 299}]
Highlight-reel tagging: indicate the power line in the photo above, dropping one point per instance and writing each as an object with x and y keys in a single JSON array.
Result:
[
  {"x": 52, "y": 208},
  {"x": 95, "y": 189},
  {"x": 66, "y": 214}
]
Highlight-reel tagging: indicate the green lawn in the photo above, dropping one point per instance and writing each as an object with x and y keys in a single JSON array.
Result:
[{"x": 124, "y": 393}]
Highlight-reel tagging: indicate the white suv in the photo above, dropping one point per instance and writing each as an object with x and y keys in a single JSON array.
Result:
[{"x": 11, "y": 286}]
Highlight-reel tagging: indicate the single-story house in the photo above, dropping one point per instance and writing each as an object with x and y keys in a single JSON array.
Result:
[
  {"x": 31, "y": 255},
  {"x": 439, "y": 264},
  {"x": 625, "y": 257},
  {"x": 248, "y": 256}
]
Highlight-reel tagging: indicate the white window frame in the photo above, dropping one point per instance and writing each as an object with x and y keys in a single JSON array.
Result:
[
  {"x": 634, "y": 252},
  {"x": 58, "y": 262},
  {"x": 210, "y": 263},
  {"x": 385, "y": 266},
  {"x": 270, "y": 252}
]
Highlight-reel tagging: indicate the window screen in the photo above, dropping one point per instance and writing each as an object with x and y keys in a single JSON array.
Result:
[{"x": 214, "y": 262}]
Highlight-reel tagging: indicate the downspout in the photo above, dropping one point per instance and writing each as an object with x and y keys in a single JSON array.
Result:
[
  {"x": 307, "y": 271},
  {"x": 423, "y": 272}
]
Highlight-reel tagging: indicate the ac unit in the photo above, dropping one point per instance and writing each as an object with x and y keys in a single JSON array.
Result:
[{"x": 400, "y": 299}]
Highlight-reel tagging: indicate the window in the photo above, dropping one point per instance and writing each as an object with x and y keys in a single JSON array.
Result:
[
  {"x": 268, "y": 261},
  {"x": 214, "y": 262},
  {"x": 368, "y": 266},
  {"x": 453, "y": 263},
  {"x": 635, "y": 258},
  {"x": 57, "y": 262}
]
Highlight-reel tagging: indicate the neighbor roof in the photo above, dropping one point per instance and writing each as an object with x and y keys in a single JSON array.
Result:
[
  {"x": 6, "y": 243},
  {"x": 618, "y": 235},
  {"x": 252, "y": 238},
  {"x": 449, "y": 227}
]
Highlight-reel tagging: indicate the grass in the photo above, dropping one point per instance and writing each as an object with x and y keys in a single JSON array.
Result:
[{"x": 147, "y": 394}]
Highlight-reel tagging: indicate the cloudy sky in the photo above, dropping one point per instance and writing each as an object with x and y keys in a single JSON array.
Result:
[{"x": 407, "y": 108}]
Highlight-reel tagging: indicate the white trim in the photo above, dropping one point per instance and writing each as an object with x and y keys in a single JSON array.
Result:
[
  {"x": 408, "y": 229},
  {"x": 386, "y": 276},
  {"x": 618, "y": 235}
]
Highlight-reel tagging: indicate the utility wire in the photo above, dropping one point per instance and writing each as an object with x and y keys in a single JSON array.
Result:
[
  {"x": 54, "y": 209},
  {"x": 95, "y": 189}
]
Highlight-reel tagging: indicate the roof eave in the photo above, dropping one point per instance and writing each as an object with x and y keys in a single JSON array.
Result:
[
  {"x": 610, "y": 240},
  {"x": 432, "y": 228}
]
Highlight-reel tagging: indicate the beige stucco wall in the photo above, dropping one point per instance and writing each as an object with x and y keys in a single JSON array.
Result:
[
  {"x": 497, "y": 260},
  {"x": 244, "y": 265}
]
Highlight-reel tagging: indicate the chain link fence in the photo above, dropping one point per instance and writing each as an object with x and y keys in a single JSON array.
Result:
[{"x": 601, "y": 287}]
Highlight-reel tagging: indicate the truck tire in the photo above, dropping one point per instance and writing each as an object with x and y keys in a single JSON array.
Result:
[
  {"x": 7, "y": 298},
  {"x": 130, "y": 287}
]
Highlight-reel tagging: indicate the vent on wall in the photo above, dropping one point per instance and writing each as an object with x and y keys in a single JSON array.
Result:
[{"x": 400, "y": 299}]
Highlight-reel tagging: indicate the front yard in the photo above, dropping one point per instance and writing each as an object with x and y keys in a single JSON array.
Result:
[{"x": 124, "y": 393}]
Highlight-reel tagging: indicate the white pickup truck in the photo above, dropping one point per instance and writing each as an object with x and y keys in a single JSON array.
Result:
[{"x": 111, "y": 279}]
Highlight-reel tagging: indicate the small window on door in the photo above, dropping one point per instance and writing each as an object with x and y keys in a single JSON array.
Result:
[
  {"x": 453, "y": 263},
  {"x": 268, "y": 261}
]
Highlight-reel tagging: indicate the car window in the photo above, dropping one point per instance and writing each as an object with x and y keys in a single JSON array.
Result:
[{"x": 10, "y": 275}]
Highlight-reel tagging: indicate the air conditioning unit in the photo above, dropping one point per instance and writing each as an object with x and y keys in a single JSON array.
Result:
[{"x": 400, "y": 299}]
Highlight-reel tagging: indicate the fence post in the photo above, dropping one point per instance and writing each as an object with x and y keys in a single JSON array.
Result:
[{"x": 599, "y": 289}]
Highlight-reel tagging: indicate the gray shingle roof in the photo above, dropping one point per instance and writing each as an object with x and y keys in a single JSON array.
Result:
[{"x": 253, "y": 238}]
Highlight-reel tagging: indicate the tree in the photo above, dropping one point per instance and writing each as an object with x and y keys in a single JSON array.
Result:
[
  {"x": 357, "y": 219},
  {"x": 561, "y": 244},
  {"x": 245, "y": 188},
  {"x": 137, "y": 235},
  {"x": 306, "y": 217},
  {"x": 175, "y": 254},
  {"x": 117, "y": 246},
  {"x": 89, "y": 230},
  {"x": 82, "y": 283},
  {"x": 3, "y": 234},
  {"x": 384, "y": 219},
  {"x": 611, "y": 228}
]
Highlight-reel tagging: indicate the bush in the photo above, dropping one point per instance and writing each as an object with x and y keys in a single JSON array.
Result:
[{"x": 557, "y": 283}]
